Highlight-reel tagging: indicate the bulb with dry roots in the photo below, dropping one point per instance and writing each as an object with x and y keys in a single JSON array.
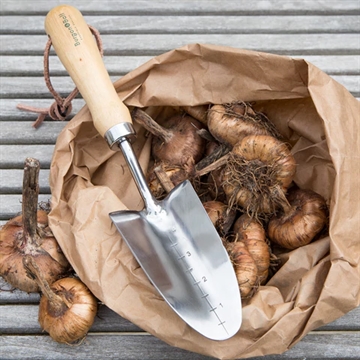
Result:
[
  {"x": 258, "y": 173},
  {"x": 220, "y": 215},
  {"x": 215, "y": 188},
  {"x": 252, "y": 234},
  {"x": 177, "y": 142},
  {"x": 198, "y": 112},
  {"x": 162, "y": 177},
  {"x": 301, "y": 221},
  {"x": 29, "y": 234},
  {"x": 229, "y": 123},
  {"x": 67, "y": 308},
  {"x": 245, "y": 268}
]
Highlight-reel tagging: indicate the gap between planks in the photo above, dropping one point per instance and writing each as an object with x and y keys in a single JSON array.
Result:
[
  {"x": 144, "y": 333},
  {"x": 168, "y": 7}
]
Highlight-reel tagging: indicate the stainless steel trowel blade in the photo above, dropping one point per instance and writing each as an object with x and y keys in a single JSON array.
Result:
[{"x": 183, "y": 256}]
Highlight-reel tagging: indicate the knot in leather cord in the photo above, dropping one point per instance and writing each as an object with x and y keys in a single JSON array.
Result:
[{"x": 59, "y": 112}]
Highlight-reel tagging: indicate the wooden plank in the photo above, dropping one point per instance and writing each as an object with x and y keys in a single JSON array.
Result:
[
  {"x": 10, "y": 205},
  {"x": 11, "y": 181},
  {"x": 13, "y": 156},
  {"x": 154, "y": 44},
  {"x": 315, "y": 346},
  {"x": 120, "y": 65},
  {"x": 335, "y": 65},
  {"x": 195, "y": 24},
  {"x": 351, "y": 83},
  {"x": 20, "y": 133},
  {"x": 10, "y": 112},
  {"x": 34, "y": 65},
  {"x": 8, "y": 299},
  {"x": 157, "y": 7},
  {"x": 170, "y": 23},
  {"x": 9, "y": 295},
  {"x": 99, "y": 346},
  {"x": 350, "y": 321},
  {"x": 19, "y": 319},
  {"x": 34, "y": 87},
  {"x": 23, "y": 319}
]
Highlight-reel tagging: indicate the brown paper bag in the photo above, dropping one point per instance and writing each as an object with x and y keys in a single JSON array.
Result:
[{"x": 320, "y": 118}]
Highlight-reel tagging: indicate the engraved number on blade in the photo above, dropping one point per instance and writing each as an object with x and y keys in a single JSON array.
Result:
[{"x": 183, "y": 257}]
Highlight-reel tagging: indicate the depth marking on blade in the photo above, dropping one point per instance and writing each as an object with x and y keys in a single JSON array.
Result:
[{"x": 189, "y": 270}]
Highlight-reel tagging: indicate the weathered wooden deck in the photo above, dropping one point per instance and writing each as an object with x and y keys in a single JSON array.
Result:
[{"x": 326, "y": 33}]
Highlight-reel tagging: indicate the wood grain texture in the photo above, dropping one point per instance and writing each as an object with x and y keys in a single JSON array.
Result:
[
  {"x": 10, "y": 112},
  {"x": 155, "y": 44},
  {"x": 11, "y": 181},
  {"x": 9, "y": 295},
  {"x": 98, "y": 346},
  {"x": 340, "y": 345},
  {"x": 182, "y": 24},
  {"x": 13, "y": 156},
  {"x": 23, "y": 319},
  {"x": 144, "y": 7},
  {"x": 323, "y": 32},
  {"x": 16, "y": 132},
  {"x": 33, "y": 65},
  {"x": 10, "y": 204},
  {"x": 17, "y": 65},
  {"x": 34, "y": 87}
]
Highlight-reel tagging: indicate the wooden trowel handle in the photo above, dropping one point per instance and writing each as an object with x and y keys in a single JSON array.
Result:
[{"x": 75, "y": 46}]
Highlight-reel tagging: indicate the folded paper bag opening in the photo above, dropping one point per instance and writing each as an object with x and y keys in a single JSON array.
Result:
[{"x": 314, "y": 113}]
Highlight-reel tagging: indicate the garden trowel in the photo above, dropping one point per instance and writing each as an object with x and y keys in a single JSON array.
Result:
[{"x": 173, "y": 240}]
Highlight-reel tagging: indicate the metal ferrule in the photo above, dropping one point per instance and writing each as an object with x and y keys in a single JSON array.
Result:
[{"x": 115, "y": 135}]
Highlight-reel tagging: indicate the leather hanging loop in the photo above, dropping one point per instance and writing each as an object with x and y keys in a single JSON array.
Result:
[{"x": 61, "y": 108}]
